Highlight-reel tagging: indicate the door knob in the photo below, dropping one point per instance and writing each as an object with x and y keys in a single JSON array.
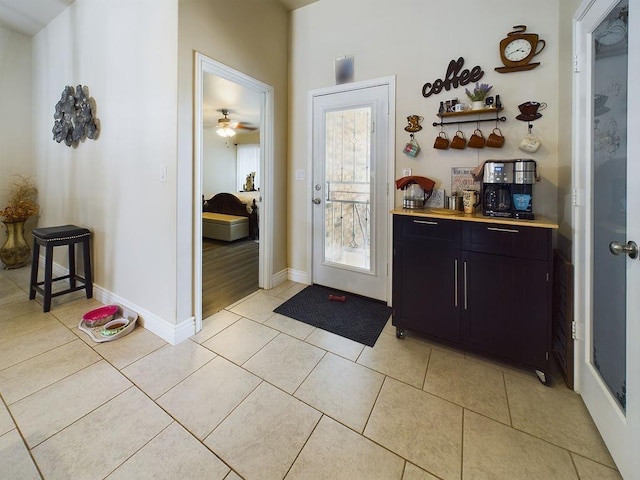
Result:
[
  {"x": 317, "y": 201},
  {"x": 631, "y": 248}
]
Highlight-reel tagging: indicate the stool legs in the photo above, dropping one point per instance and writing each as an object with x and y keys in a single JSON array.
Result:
[
  {"x": 88, "y": 281},
  {"x": 72, "y": 266},
  {"x": 48, "y": 277},
  {"x": 34, "y": 270}
]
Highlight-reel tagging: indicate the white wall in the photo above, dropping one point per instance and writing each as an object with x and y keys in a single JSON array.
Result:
[
  {"x": 415, "y": 40},
  {"x": 16, "y": 147},
  {"x": 252, "y": 37},
  {"x": 126, "y": 53}
]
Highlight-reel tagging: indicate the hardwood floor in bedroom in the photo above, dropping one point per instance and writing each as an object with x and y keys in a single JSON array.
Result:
[{"x": 229, "y": 273}]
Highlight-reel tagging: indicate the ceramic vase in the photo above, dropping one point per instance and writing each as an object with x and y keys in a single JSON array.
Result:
[
  {"x": 15, "y": 251},
  {"x": 477, "y": 105}
]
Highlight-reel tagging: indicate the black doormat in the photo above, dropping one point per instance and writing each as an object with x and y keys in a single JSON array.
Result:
[{"x": 358, "y": 318}]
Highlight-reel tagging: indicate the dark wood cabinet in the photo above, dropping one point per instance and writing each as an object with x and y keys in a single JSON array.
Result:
[
  {"x": 484, "y": 287},
  {"x": 426, "y": 296}
]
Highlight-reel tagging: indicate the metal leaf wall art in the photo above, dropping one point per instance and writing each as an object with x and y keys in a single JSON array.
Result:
[{"x": 73, "y": 119}]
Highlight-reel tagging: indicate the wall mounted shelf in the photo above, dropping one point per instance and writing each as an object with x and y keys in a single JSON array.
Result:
[{"x": 452, "y": 117}]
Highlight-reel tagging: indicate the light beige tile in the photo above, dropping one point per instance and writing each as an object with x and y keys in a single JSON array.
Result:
[
  {"x": 10, "y": 292},
  {"x": 51, "y": 409},
  {"x": 557, "y": 415},
  {"x": 233, "y": 476},
  {"x": 468, "y": 384},
  {"x": 241, "y": 341},
  {"x": 292, "y": 291},
  {"x": 38, "y": 372},
  {"x": 16, "y": 461},
  {"x": 16, "y": 309},
  {"x": 405, "y": 360},
  {"x": 204, "y": 399},
  {"x": 285, "y": 362},
  {"x": 173, "y": 454},
  {"x": 156, "y": 373},
  {"x": 290, "y": 326},
  {"x": 421, "y": 428},
  {"x": 71, "y": 313},
  {"x": 14, "y": 327},
  {"x": 342, "y": 389},
  {"x": 263, "y": 436},
  {"x": 6, "y": 423},
  {"x": 215, "y": 324},
  {"x": 341, "y": 346},
  {"x": 502, "y": 366},
  {"x": 130, "y": 348},
  {"x": 280, "y": 289},
  {"x": 590, "y": 470},
  {"x": 18, "y": 349},
  {"x": 325, "y": 456},
  {"x": 411, "y": 472},
  {"x": 98, "y": 443},
  {"x": 258, "y": 307},
  {"x": 493, "y": 451}
]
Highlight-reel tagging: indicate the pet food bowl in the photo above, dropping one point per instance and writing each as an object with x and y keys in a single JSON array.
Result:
[
  {"x": 114, "y": 326},
  {"x": 100, "y": 316}
]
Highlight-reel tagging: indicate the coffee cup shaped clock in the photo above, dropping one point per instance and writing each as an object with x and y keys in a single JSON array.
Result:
[{"x": 517, "y": 50}]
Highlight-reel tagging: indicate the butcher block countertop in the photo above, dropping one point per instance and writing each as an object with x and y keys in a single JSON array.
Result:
[{"x": 540, "y": 221}]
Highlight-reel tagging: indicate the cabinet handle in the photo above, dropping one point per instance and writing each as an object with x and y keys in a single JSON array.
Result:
[
  {"x": 508, "y": 230},
  {"x": 455, "y": 282},
  {"x": 426, "y": 222},
  {"x": 465, "y": 285}
]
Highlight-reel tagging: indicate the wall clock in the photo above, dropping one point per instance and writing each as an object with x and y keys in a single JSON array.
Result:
[{"x": 517, "y": 50}]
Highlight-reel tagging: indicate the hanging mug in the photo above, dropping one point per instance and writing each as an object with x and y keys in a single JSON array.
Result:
[
  {"x": 477, "y": 139},
  {"x": 459, "y": 141},
  {"x": 442, "y": 141},
  {"x": 412, "y": 148},
  {"x": 495, "y": 139}
]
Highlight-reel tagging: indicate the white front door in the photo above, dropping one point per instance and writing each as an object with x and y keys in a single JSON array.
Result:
[
  {"x": 350, "y": 206},
  {"x": 607, "y": 176}
]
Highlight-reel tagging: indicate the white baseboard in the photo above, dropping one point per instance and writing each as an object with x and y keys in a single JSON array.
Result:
[
  {"x": 278, "y": 278},
  {"x": 299, "y": 276},
  {"x": 169, "y": 332}
]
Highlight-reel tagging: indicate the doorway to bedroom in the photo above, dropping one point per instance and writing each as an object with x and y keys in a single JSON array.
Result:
[{"x": 232, "y": 149}]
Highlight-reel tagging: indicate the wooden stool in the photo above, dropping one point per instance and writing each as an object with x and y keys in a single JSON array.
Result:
[{"x": 50, "y": 237}]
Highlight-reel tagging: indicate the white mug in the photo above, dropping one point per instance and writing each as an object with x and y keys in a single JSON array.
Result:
[
  {"x": 530, "y": 143},
  {"x": 460, "y": 107}
]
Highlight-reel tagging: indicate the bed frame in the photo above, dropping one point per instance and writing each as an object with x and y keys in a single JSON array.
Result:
[{"x": 225, "y": 217}]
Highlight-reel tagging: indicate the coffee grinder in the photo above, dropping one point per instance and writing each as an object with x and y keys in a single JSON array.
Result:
[{"x": 507, "y": 188}]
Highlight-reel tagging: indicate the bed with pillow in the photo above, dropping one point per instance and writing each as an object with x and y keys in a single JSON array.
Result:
[{"x": 225, "y": 217}]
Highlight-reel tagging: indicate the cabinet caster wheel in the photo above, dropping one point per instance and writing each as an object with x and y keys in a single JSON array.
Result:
[
  {"x": 544, "y": 378},
  {"x": 399, "y": 332}
]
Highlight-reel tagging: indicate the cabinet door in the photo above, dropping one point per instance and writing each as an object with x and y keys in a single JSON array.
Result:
[
  {"x": 506, "y": 307},
  {"x": 425, "y": 279}
]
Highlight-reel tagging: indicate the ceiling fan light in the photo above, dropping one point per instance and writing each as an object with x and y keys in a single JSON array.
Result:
[{"x": 225, "y": 132}]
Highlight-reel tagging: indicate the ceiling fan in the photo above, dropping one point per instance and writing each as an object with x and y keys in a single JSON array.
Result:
[{"x": 227, "y": 128}]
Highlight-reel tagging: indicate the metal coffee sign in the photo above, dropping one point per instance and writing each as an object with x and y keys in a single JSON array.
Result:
[{"x": 454, "y": 78}]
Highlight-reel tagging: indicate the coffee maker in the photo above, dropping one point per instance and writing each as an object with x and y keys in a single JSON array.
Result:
[{"x": 507, "y": 188}]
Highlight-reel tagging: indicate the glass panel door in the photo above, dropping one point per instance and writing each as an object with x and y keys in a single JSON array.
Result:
[
  {"x": 609, "y": 154},
  {"x": 348, "y": 188}
]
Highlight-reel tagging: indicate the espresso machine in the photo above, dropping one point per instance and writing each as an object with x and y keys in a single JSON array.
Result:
[{"x": 507, "y": 188}]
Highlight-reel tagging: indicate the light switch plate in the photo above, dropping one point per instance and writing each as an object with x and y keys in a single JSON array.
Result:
[{"x": 406, "y": 172}]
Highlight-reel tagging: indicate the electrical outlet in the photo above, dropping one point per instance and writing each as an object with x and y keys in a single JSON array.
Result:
[{"x": 406, "y": 172}]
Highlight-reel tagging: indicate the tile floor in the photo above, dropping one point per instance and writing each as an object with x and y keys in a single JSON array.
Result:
[{"x": 256, "y": 395}]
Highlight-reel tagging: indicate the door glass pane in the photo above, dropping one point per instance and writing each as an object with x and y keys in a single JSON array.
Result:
[
  {"x": 347, "y": 224},
  {"x": 608, "y": 353}
]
